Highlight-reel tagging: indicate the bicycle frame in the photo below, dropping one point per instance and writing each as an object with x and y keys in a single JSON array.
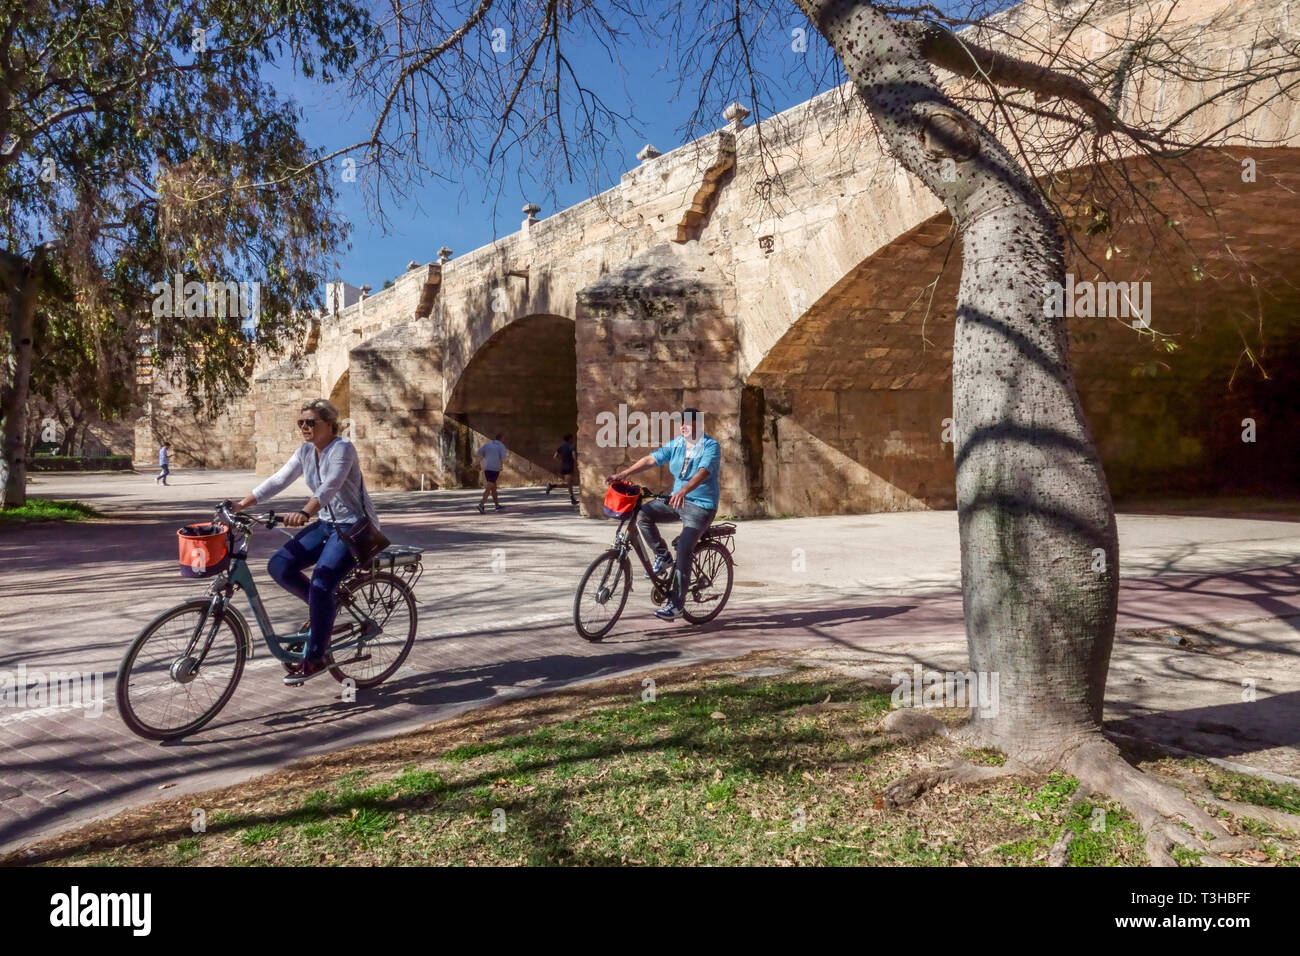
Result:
[
  {"x": 630, "y": 540},
  {"x": 238, "y": 576}
]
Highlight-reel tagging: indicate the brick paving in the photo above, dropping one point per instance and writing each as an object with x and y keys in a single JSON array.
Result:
[{"x": 72, "y": 597}]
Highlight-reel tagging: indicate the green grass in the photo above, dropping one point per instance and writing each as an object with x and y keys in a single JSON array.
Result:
[
  {"x": 1262, "y": 793},
  {"x": 44, "y": 509},
  {"x": 718, "y": 772}
]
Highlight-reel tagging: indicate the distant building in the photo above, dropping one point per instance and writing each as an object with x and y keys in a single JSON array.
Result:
[{"x": 339, "y": 295}]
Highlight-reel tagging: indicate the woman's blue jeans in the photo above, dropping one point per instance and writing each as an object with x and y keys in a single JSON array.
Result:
[{"x": 322, "y": 545}]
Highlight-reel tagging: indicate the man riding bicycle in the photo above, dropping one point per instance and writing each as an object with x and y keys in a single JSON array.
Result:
[{"x": 696, "y": 460}]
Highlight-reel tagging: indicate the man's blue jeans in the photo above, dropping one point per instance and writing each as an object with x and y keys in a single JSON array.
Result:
[
  {"x": 322, "y": 545},
  {"x": 695, "y": 521}
]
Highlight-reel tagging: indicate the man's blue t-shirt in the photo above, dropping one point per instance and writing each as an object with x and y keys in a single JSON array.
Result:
[{"x": 705, "y": 454}]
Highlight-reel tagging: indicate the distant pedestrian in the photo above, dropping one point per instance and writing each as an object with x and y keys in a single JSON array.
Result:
[
  {"x": 164, "y": 463},
  {"x": 567, "y": 456},
  {"x": 494, "y": 455}
]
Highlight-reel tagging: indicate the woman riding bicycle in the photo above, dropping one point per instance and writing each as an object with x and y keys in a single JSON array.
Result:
[
  {"x": 333, "y": 474},
  {"x": 696, "y": 461}
]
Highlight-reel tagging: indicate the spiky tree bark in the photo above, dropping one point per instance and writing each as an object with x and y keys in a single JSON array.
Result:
[
  {"x": 1039, "y": 549},
  {"x": 1034, "y": 507}
]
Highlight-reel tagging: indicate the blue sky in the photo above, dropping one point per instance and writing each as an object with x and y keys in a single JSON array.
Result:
[{"x": 461, "y": 214}]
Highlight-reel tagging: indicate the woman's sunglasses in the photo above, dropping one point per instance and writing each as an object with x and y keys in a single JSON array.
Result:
[{"x": 307, "y": 422}]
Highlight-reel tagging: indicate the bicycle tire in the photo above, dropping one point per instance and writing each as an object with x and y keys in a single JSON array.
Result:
[
  {"x": 710, "y": 559},
  {"x": 623, "y": 572},
  {"x": 371, "y": 590},
  {"x": 123, "y": 690}
]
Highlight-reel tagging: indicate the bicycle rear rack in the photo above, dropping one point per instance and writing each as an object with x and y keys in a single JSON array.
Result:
[{"x": 404, "y": 560}]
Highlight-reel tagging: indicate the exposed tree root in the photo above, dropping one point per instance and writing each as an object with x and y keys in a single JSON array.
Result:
[
  {"x": 1274, "y": 818},
  {"x": 1167, "y": 816},
  {"x": 1160, "y": 808},
  {"x": 909, "y": 723},
  {"x": 908, "y": 789}
]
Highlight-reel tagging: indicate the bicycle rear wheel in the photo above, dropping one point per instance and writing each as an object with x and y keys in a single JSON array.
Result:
[
  {"x": 602, "y": 594},
  {"x": 163, "y": 692},
  {"x": 710, "y": 583},
  {"x": 386, "y": 600}
]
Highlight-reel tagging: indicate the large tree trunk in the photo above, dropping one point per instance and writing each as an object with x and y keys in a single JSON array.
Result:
[
  {"x": 24, "y": 289},
  {"x": 1033, "y": 504}
]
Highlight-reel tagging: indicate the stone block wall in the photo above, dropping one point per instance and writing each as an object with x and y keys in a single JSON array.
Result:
[
  {"x": 278, "y": 395},
  {"x": 197, "y": 440},
  {"x": 655, "y": 335},
  {"x": 363, "y": 320},
  {"x": 852, "y": 451},
  {"x": 395, "y": 387}
]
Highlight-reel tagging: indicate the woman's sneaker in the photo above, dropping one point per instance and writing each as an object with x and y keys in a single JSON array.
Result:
[{"x": 306, "y": 672}]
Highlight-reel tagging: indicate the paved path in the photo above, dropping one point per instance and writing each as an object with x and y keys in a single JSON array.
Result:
[{"x": 72, "y": 597}]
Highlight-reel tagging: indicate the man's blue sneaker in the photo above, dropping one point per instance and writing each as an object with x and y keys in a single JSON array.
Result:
[
  {"x": 668, "y": 612},
  {"x": 661, "y": 562}
]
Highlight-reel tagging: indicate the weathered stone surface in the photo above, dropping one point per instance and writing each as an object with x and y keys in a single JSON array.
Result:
[
  {"x": 677, "y": 291},
  {"x": 803, "y": 297}
]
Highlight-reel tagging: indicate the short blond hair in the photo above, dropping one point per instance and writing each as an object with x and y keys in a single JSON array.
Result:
[{"x": 324, "y": 408}]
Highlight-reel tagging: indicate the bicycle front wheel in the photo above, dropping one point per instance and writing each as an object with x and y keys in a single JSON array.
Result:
[
  {"x": 163, "y": 690},
  {"x": 387, "y": 601},
  {"x": 710, "y": 583},
  {"x": 602, "y": 594}
]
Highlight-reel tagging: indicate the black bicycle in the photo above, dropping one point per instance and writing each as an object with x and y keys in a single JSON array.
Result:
[
  {"x": 184, "y": 666},
  {"x": 603, "y": 590}
]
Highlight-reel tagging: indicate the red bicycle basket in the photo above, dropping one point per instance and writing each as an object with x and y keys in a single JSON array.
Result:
[
  {"x": 204, "y": 550},
  {"x": 620, "y": 498}
]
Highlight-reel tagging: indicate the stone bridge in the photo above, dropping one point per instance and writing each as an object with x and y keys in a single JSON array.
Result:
[{"x": 798, "y": 285}]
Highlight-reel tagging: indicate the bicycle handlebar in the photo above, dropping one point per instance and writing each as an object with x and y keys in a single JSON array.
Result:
[
  {"x": 225, "y": 510},
  {"x": 647, "y": 493}
]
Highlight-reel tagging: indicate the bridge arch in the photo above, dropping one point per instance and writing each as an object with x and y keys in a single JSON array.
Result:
[
  {"x": 845, "y": 411},
  {"x": 340, "y": 395},
  {"x": 522, "y": 381}
]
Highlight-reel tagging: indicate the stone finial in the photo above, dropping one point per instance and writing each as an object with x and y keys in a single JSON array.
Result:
[
  {"x": 412, "y": 265},
  {"x": 735, "y": 114},
  {"x": 531, "y": 210},
  {"x": 365, "y": 291},
  {"x": 648, "y": 152},
  {"x": 444, "y": 254}
]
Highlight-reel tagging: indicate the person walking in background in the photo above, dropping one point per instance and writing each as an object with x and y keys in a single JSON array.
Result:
[
  {"x": 494, "y": 455},
  {"x": 164, "y": 463},
  {"x": 567, "y": 456}
]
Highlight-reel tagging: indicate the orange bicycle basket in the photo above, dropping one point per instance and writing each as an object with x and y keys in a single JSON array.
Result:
[
  {"x": 205, "y": 550},
  {"x": 621, "y": 498}
]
